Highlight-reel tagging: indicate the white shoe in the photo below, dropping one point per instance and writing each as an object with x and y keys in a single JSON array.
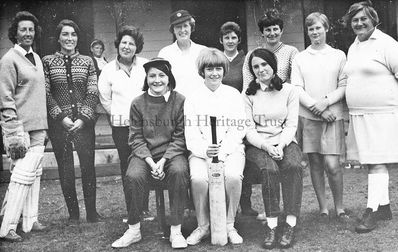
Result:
[
  {"x": 234, "y": 237},
  {"x": 262, "y": 216},
  {"x": 197, "y": 235},
  {"x": 129, "y": 237},
  {"x": 178, "y": 241}
]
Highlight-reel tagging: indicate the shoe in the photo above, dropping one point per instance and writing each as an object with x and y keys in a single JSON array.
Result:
[
  {"x": 197, "y": 235},
  {"x": 270, "y": 238},
  {"x": 178, "y": 241},
  {"x": 96, "y": 218},
  {"x": 262, "y": 216},
  {"x": 384, "y": 212},
  {"x": 343, "y": 217},
  {"x": 129, "y": 237},
  {"x": 249, "y": 212},
  {"x": 324, "y": 218},
  {"x": 368, "y": 222},
  {"x": 37, "y": 226},
  {"x": 287, "y": 238},
  {"x": 234, "y": 237},
  {"x": 12, "y": 236},
  {"x": 147, "y": 216}
]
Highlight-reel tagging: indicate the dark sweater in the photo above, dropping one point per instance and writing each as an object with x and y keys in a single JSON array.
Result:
[
  {"x": 157, "y": 126},
  {"x": 234, "y": 77}
]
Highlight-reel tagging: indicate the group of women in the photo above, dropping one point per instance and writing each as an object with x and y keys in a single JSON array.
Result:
[{"x": 160, "y": 117}]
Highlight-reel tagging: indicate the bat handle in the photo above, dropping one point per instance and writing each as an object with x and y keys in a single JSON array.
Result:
[
  {"x": 215, "y": 160},
  {"x": 213, "y": 123}
]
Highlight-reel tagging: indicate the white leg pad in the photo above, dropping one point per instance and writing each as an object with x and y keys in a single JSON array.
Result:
[
  {"x": 31, "y": 206},
  {"x": 17, "y": 192},
  {"x": 24, "y": 171},
  {"x": 3, "y": 206}
]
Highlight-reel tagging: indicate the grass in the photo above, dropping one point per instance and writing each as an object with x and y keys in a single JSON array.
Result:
[{"x": 312, "y": 234}]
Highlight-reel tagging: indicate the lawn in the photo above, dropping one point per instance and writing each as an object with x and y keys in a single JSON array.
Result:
[{"x": 312, "y": 235}]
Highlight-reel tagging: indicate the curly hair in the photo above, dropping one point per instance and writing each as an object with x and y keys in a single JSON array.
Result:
[
  {"x": 133, "y": 32},
  {"x": 229, "y": 27},
  {"x": 271, "y": 17},
  {"x": 23, "y": 16},
  {"x": 269, "y": 57}
]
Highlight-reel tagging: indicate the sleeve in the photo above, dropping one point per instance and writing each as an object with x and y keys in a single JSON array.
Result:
[
  {"x": 87, "y": 112},
  {"x": 195, "y": 140},
  {"x": 390, "y": 55},
  {"x": 137, "y": 140},
  {"x": 293, "y": 55},
  {"x": 298, "y": 80},
  {"x": 177, "y": 144},
  {"x": 339, "y": 93},
  {"x": 247, "y": 75},
  {"x": 252, "y": 136},
  {"x": 105, "y": 90},
  {"x": 53, "y": 108},
  {"x": 291, "y": 121},
  {"x": 8, "y": 81},
  {"x": 237, "y": 129}
]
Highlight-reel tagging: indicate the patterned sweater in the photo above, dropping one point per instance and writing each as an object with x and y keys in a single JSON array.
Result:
[{"x": 71, "y": 86}]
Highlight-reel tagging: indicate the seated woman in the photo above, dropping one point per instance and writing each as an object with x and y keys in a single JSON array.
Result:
[
  {"x": 272, "y": 110},
  {"x": 215, "y": 99},
  {"x": 158, "y": 151}
]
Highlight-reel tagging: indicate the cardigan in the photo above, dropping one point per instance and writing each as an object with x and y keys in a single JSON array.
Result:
[
  {"x": 234, "y": 76},
  {"x": 22, "y": 90},
  {"x": 71, "y": 85},
  {"x": 157, "y": 126}
]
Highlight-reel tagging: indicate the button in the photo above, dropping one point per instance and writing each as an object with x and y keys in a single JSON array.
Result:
[
  {"x": 70, "y": 91},
  {"x": 68, "y": 75},
  {"x": 73, "y": 105}
]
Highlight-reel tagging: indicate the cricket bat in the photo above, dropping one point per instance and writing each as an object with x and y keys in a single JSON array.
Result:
[{"x": 218, "y": 209}]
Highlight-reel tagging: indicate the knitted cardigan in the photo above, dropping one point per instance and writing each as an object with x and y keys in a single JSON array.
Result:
[{"x": 71, "y": 86}]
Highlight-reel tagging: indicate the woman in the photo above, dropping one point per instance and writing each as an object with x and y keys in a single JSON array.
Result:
[
  {"x": 230, "y": 38},
  {"x": 158, "y": 150},
  {"x": 183, "y": 52},
  {"x": 97, "y": 48},
  {"x": 271, "y": 28},
  {"x": 318, "y": 73},
  {"x": 213, "y": 98},
  {"x": 119, "y": 83},
  {"x": 372, "y": 99},
  {"x": 72, "y": 95},
  {"x": 22, "y": 91},
  {"x": 272, "y": 110}
]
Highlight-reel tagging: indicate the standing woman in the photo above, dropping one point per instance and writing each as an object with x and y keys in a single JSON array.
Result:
[
  {"x": 318, "y": 73},
  {"x": 158, "y": 151},
  {"x": 182, "y": 54},
  {"x": 272, "y": 110},
  {"x": 72, "y": 95},
  {"x": 372, "y": 99},
  {"x": 271, "y": 28},
  {"x": 120, "y": 82},
  {"x": 230, "y": 38},
  {"x": 24, "y": 124},
  {"x": 213, "y": 98}
]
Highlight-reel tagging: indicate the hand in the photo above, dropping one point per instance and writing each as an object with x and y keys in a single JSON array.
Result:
[
  {"x": 16, "y": 141},
  {"x": 159, "y": 173},
  {"x": 270, "y": 149},
  {"x": 319, "y": 106},
  {"x": 77, "y": 125},
  {"x": 67, "y": 123},
  {"x": 328, "y": 116},
  {"x": 279, "y": 151},
  {"x": 213, "y": 150}
]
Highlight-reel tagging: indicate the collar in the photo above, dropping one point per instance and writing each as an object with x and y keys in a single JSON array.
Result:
[
  {"x": 176, "y": 47},
  {"x": 118, "y": 63},
  {"x": 166, "y": 95},
  {"x": 264, "y": 87},
  {"x": 21, "y": 50},
  {"x": 60, "y": 54},
  {"x": 377, "y": 34},
  {"x": 233, "y": 57},
  {"x": 324, "y": 50}
]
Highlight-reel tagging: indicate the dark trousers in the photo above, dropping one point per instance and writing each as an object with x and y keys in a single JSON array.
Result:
[
  {"x": 288, "y": 172},
  {"x": 84, "y": 143},
  {"x": 138, "y": 179},
  {"x": 120, "y": 137}
]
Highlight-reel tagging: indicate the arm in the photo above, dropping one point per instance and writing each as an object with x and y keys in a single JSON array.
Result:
[
  {"x": 291, "y": 121},
  {"x": 8, "y": 80},
  {"x": 105, "y": 90},
  {"x": 177, "y": 143},
  {"x": 390, "y": 55},
  {"x": 87, "y": 112},
  {"x": 298, "y": 80},
  {"x": 252, "y": 136},
  {"x": 195, "y": 140},
  {"x": 247, "y": 75},
  {"x": 293, "y": 55},
  {"x": 338, "y": 94},
  {"x": 136, "y": 136}
]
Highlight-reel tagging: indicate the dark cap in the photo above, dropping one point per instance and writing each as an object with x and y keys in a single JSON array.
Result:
[
  {"x": 179, "y": 17},
  {"x": 164, "y": 66}
]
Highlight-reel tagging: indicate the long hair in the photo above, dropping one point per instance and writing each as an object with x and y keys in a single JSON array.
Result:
[{"x": 270, "y": 58}]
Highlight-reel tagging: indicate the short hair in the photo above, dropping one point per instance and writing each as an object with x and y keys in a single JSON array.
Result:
[
  {"x": 67, "y": 22},
  {"x": 97, "y": 42},
  {"x": 133, "y": 32},
  {"x": 22, "y": 16},
  {"x": 270, "y": 17},
  {"x": 229, "y": 27},
  {"x": 314, "y": 17},
  {"x": 211, "y": 57},
  {"x": 270, "y": 58},
  {"x": 365, "y": 6},
  {"x": 192, "y": 23}
]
